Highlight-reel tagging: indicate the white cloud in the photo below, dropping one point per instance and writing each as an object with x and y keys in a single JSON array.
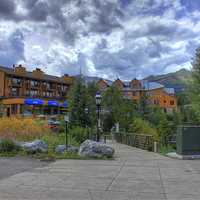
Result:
[{"x": 103, "y": 38}]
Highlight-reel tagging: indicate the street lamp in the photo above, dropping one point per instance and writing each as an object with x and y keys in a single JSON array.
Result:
[
  {"x": 98, "y": 99},
  {"x": 86, "y": 122},
  {"x": 66, "y": 119}
]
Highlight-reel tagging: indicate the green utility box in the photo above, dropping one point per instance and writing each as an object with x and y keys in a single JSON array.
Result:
[{"x": 188, "y": 140}]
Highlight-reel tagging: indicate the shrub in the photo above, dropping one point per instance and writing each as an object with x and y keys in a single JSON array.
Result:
[
  {"x": 24, "y": 129},
  {"x": 53, "y": 140},
  {"x": 7, "y": 145},
  {"x": 140, "y": 126},
  {"x": 79, "y": 134}
]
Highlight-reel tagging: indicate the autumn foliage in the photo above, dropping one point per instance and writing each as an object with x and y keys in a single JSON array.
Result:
[{"x": 24, "y": 129}]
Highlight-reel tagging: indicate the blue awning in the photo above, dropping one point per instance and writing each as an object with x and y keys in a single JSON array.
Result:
[
  {"x": 65, "y": 104},
  {"x": 53, "y": 103},
  {"x": 33, "y": 102}
]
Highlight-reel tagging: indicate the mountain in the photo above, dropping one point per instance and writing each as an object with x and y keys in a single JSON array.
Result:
[
  {"x": 177, "y": 80},
  {"x": 89, "y": 79}
]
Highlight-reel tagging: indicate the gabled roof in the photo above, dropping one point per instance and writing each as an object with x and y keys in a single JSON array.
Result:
[
  {"x": 119, "y": 81},
  {"x": 104, "y": 81},
  {"x": 30, "y": 75}
]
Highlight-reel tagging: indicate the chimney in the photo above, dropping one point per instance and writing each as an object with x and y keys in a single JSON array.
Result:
[
  {"x": 19, "y": 69},
  {"x": 67, "y": 79},
  {"x": 37, "y": 72}
]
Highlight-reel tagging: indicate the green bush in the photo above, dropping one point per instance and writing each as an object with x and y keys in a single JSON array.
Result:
[
  {"x": 7, "y": 145},
  {"x": 79, "y": 134},
  {"x": 166, "y": 149},
  {"x": 140, "y": 126}
]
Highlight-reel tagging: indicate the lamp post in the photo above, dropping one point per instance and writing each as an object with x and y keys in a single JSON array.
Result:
[
  {"x": 98, "y": 99},
  {"x": 66, "y": 118},
  {"x": 86, "y": 123}
]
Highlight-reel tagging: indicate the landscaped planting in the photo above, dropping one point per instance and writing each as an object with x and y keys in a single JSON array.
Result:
[
  {"x": 32, "y": 137},
  {"x": 22, "y": 129}
]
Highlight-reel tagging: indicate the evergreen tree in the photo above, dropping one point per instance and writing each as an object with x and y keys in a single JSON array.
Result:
[
  {"x": 143, "y": 107},
  {"x": 112, "y": 103},
  {"x": 118, "y": 109},
  {"x": 78, "y": 103},
  {"x": 195, "y": 84},
  {"x": 91, "y": 104}
]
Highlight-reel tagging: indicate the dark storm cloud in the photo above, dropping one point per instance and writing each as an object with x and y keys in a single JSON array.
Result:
[
  {"x": 38, "y": 11},
  {"x": 7, "y": 9},
  {"x": 12, "y": 49},
  {"x": 107, "y": 17}
]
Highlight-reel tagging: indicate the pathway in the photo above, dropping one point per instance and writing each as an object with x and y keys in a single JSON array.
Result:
[{"x": 134, "y": 174}]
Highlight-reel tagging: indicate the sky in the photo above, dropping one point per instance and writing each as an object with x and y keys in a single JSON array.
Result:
[{"x": 105, "y": 38}]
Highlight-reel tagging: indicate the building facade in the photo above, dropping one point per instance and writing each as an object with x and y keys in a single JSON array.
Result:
[
  {"x": 24, "y": 92},
  {"x": 157, "y": 94}
]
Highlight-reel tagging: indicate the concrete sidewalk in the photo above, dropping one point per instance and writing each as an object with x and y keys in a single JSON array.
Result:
[{"x": 135, "y": 174}]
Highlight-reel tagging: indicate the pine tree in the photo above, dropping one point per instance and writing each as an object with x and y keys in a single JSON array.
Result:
[
  {"x": 195, "y": 84},
  {"x": 78, "y": 103},
  {"x": 91, "y": 93},
  {"x": 143, "y": 107}
]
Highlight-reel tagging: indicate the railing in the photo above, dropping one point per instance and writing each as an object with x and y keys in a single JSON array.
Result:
[{"x": 141, "y": 141}]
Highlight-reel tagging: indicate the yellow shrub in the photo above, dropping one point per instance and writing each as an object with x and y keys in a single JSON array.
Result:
[{"x": 22, "y": 128}]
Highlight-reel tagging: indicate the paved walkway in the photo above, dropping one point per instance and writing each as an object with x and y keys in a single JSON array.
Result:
[{"x": 135, "y": 174}]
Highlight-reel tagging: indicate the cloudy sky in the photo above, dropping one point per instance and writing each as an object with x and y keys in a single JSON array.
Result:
[{"x": 107, "y": 38}]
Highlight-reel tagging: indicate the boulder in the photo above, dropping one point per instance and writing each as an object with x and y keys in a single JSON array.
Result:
[
  {"x": 94, "y": 149},
  {"x": 62, "y": 148},
  {"x": 37, "y": 146}
]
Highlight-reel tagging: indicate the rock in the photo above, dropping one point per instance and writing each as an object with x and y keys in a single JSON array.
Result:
[
  {"x": 62, "y": 149},
  {"x": 37, "y": 146},
  {"x": 94, "y": 149}
]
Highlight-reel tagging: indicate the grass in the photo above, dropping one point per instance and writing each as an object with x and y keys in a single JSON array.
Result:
[
  {"x": 28, "y": 129},
  {"x": 50, "y": 156},
  {"x": 166, "y": 149},
  {"x": 53, "y": 140},
  {"x": 22, "y": 129}
]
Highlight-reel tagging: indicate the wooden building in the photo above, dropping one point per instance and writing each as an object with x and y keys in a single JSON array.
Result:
[
  {"x": 133, "y": 90},
  {"x": 22, "y": 92}
]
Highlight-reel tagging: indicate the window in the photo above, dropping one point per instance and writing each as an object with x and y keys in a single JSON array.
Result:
[
  {"x": 33, "y": 93},
  {"x": 156, "y": 102},
  {"x": 64, "y": 88},
  {"x": 49, "y": 94},
  {"x": 48, "y": 86},
  {"x": 14, "y": 109},
  {"x": 27, "y": 92},
  {"x": 135, "y": 93},
  {"x": 34, "y": 83},
  {"x": 172, "y": 102},
  {"x": 52, "y": 86},
  {"x": 16, "y": 81},
  {"x": 14, "y": 91}
]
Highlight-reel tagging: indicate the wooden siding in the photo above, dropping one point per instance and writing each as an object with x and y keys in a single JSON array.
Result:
[
  {"x": 119, "y": 84},
  {"x": 2, "y": 75},
  {"x": 102, "y": 85}
]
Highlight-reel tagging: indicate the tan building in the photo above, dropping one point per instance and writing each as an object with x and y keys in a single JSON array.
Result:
[
  {"x": 157, "y": 93},
  {"x": 22, "y": 92}
]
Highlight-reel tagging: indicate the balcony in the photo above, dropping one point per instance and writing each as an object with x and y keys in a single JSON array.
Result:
[{"x": 14, "y": 83}]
